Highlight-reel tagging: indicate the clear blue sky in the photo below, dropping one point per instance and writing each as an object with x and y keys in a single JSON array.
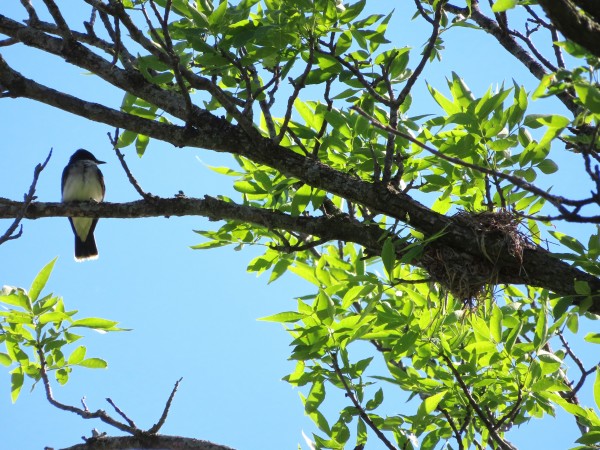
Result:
[{"x": 193, "y": 313}]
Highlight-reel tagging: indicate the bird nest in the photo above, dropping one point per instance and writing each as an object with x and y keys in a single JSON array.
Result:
[{"x": 465, "y": 275}]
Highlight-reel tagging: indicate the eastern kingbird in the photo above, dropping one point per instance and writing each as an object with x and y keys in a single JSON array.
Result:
[{"x": 83, "y": 181}]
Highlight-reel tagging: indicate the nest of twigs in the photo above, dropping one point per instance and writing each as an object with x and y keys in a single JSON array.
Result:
[{"x": 466, "y": 276}]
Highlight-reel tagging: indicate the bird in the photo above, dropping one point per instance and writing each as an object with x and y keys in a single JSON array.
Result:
[{"x": 82, "y": 180}]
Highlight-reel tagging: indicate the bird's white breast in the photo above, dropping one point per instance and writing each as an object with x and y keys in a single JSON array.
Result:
[{"x": 82, "y": 183}]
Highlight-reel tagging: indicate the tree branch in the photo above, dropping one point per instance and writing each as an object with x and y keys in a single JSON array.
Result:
[
  {"x": 158, "y": 425},
  {"x": 539, "y": 267},
  {"x": 503, "y": 444},
  {"x": 574, "y": 25},
  {"x": 361, "y": 411},
  {"x": 511, "y": 45},
  {"x": 147, "y": 442}
]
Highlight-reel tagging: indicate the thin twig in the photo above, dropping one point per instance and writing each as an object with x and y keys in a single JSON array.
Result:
[
  {"x": 569, "y": 351},
  {"x": 145, "y": 195},
  {"x": 456, "y": 431},
  {"x": 8, "y": 42},
  {"x": 534, "y": 50},
  {"x": 33, "y": 17},
  {"x": 84, "y": 413},
  {"x": 422, "y": 12},
  {"x": 121, "y": 413},
  {"x": 175, "y": 61},
  {"x": 298, "y": 86},
  {"x": 435, "y": 32},
  {"x": 357, "y": 74},
  {"x": 27, "y": 199},
  {"x": 361, "y": 411},
  {"x": 321, "y": 132},
  {"x": 397, "y": 281},
  {"x": 557, "y": 201},
  {"x": 156, "y": 427},
  {"x": 510, "y": 415},
  {"x": 59, "y": 19},
  {"x": 289, "y": 248},
  {"x": 487, "y": 421}
]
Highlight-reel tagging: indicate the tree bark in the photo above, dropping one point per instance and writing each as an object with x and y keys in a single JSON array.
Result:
[
  {"x": 145, "y": 442},
  {"x": 574, "y": 24}
]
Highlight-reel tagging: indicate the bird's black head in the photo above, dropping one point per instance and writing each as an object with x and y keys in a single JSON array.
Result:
[{"x": 84, "y": 155}]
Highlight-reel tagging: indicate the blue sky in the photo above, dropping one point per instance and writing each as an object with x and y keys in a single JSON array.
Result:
[{"x": 193, "y": 313}]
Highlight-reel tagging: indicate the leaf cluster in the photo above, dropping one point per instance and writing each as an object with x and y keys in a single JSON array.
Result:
[{"x": 37, "y": 331}]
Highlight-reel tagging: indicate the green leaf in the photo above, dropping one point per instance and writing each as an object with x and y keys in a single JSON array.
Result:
[
  {"x": 550, "y": 120},
  {"x": 93, "y": 363},
  {"x": 548, "y": 166},
  {"x": 541, "y": 329},
  {"x": 582, "y": 287},
  {"x": 17, "y": 298},
  {"x": 62, "y": 376},
  {"x": 573, "y": 323},
  {"x": 561, "y": 307},
  {"x": 388, "y": 256},
  {"x": 225, "y": 171},
  {"x": 53, "y": 316},
  {"x": 496, "y": 324},
  {"x": 569, "y": 242},
  {"x": 597, "y": 388},
  {"x": 343, "y": 43},
  {"x": 460, "y": 91},
  {"x": 503, "y": 5},
  {"x": 361, "y": 433},
  {"x": 77, "y": 356},
  {"x": 589, "y": 95},
  {"x": 301, "y": 200},
  {"x": 95, "y": 322},
  {"x": 594, "y": 338},
  {"x": 446, "y": 104},
  {"x": 481, "y": 347},
  {"x": 320, "y": 420},
  {"x": 126, "y": 138},
  {"x": 40, "y": 280},
  {"x": 5, "y": 360},
  {"x": 375, "y": 401},
  {"x": 315, "y": 397},
  {"x": 248, "y": 187},
  {"x": 217, "y": 16},
  {"x": 140, "y": 144},
  {"x": 284, "y": 317},
  {"x": 430, "y": 403},
  {"x": 589, "y": 438},
  {"x": 340, "y": 432},
  {"x": 279, "y": 269},
  {"x": 16, "y": 383}
]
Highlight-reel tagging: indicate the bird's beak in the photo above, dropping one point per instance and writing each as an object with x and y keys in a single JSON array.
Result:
[{"x": 100, "y": 162}]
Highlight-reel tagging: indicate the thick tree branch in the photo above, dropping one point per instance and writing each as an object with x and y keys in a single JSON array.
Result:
[
  {"x": 147, "y": 443},
  {"x": 17, "y": 85},
  {"x": 539, "y": 267},
  {"x": 573, "y": 24}
]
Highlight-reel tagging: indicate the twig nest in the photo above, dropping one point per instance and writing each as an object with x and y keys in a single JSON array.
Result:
[{"x": 464, "y": 275}]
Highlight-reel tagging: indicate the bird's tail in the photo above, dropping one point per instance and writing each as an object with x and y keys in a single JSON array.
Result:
[{"x": 85, "y": 250}]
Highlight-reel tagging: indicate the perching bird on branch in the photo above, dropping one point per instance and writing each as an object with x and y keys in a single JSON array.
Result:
[{"x": 83, "y": 181}]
